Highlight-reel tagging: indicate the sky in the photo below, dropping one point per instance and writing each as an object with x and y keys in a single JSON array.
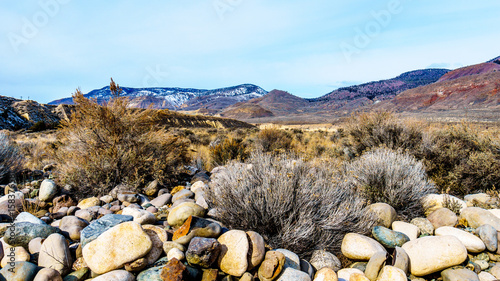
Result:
[{"x": 48, "y": 48}]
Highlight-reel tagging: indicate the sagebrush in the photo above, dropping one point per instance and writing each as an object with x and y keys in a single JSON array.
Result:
[
  {"x": 294, "y": 204},
  {"x": 105, "y": 145},
  {"x": 387, "y": 176},
  {"x": 11, "y": 159}
]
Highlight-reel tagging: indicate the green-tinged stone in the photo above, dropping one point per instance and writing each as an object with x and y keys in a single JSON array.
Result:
[
  {"x": 152, "y": 274},
  {"x": 361, "y": 265},
  {"x": 19, "y": 271},
  {"x": 78, "y": 275},
  {"x": 24, "y": 232},
  {"x": 389, "y": 238}
]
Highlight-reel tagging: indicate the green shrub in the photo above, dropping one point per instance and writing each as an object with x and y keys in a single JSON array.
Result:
[
  {"x": 381, "y": 128},
  {"x": 294, "y": 204},
  {"x": 383, "y": 175},
  {"x": 103, "y": 146},
  {"x": 10, "y": 159}
]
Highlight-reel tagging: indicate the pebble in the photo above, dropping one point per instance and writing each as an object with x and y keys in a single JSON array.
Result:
[
  {"x": 485, "y": 276},
  {"x": 291, "y": 259},
  {"x": 321, "y": 259},
  {"x": 117, "y": 246},
  {"x": 24, "y": 232},
  {"x": 158, "y": 237},
  {"x": 89, "y": 202},
  {"x": 434, "y": 253},
  {"x": 55, "y": 254},
  {"x": 183, "y": 194},
  {"x": 72, "y": 226},
  {"x": 482, "y": 198},
  {"x": 345, "y": 273},
  {"x": 202, "y": 251},
  {"x": 161, "y": 200},
  {"x": 179, "y": 214},
  {"x": 325, "y": 274},
  {"x": 176, "y": 253},
  {"x": 116, "y": 275},
  {"x": 384, "y": 213},
  {"x": 272, "y": 266},
  {"x": 442, "y": 217},
  {"x": 48, "y": 190},
  {"x": 471, "y": 242},
  {"x": 19, "y": 271},
  {"x": 48, "y": 274},
  {"x": 140, "y": 216},
  {"x": 97, "y": 227},
  {"x": 196, "y": 227},
  {"x": 375, "y": 264},
  {"x": 27, "y": 217},
  {"x": 360, "y": 247},
  {"x": 410, "y": 230},
  {"x": 257, "y": 249},
  {"x": 488, "y": 235},
  {"x": 476, "y": 217},
  {"x": 459, "y": 274},
  {"x": 424, "y": 225},
  {"x": 391, "y": 273},
  {"x": 400, "y": 259},
  {"x": 291, "y": 274},
  {"x": 389, "y": 238},
  {"x": 234, "y": 249}
]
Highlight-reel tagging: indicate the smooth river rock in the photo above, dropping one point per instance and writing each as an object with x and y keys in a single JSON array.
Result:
[
  {"x": 360, "y": 247},
  {"x": 476, "y": 217},
  {"x": 233, "y": 255},
  {"x": 434, "y": 253},
  {"x": 471, "y": 242},
  {"x": 117, "y": 246}
]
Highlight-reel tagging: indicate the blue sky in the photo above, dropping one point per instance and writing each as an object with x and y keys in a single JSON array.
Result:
[{"x": 48, "y": 48}]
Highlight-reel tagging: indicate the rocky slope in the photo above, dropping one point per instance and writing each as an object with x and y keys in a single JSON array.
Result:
[
  {"x": 178, "y": 98},
  {"x": 21, "y": 114},
  {"x": 359, "y": 95},
  {"x": 481, "y": 68},
  {"x": 477, "y": 91}
]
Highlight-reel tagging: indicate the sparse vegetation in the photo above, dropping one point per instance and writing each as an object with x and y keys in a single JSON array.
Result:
[
  {"x": 102, "y": 146},
  {"x": 274, "y": 140},
  {"x": 10, "y": 159},
  {"x": 294, "y": 204},
  {"x": 228, "y": 149},
  {"x": 383, "y": 175}
]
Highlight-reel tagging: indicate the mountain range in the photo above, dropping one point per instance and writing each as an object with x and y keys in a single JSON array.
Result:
[{"x": 468, "y": 88}]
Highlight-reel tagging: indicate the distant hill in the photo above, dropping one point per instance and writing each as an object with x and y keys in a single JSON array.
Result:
[
  {"x": 177, "y": 98},
  {"x": 495, "y": 60},
  {"x": 476, "y": 91},
  {"x": 349, "y": 98},
  {"x": 274, "y": 103},
  {"x": 481, "y": 68}
]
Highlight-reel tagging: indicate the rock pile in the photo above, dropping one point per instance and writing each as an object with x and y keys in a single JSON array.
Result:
[{"x": 126, "y": 236}]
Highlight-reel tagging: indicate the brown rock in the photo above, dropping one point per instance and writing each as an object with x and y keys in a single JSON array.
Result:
[
  {"x": 173, "y": 271},
  {"x": 442, "y": 217},
  {"x": 136, "y": 265},
  {"x": 272, "y": 266},
  {"x": 210, "y": 275}
]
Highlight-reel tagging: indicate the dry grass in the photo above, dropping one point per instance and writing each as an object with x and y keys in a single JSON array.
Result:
[{"x": 10, "y": 159}]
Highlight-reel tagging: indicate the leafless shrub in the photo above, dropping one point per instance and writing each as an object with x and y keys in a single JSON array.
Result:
[
  {"x": 383, "y": 175},
  {"x": 294, "y": 204},
  {"x": 10, "y": 159},
  {"x": 274, "y": 140}
]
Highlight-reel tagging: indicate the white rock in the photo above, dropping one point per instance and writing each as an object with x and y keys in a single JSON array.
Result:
[
  {"x": 471, "y": 242},
  {"x": 411, "y": 230},
  {"x": 360, "y": 247},
  {"x": 495, "y": 212},
  {"x": 291, "y": 259},
  {"x": 55, "y": 254},
  {"x": 434, "y": 253},
  {"x": 117, "y": 246},
  {"x": 116, "y": 275},
  {"x": 140, "y": 216},
  {"x": 476, "y": 217},
  {"x": 175, "y": 253},
  {"x": 479, "y": 197},
  {"x": 391, "y": 273},
  {"x": 345, "y": 273},
  {"x": 48, "y": 190},
  {"x": 433, "y": 202},
  {"x": 233, "y": 256},
  {"x": 27, "y": 217},
  {"x": 485, "y": 276}
]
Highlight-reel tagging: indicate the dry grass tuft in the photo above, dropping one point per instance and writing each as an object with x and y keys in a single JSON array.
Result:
[{"x": 11, "y": 159}]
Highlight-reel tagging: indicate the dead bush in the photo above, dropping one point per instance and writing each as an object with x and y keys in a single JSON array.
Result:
[
  {"x": 381, "y": 128},
  {"x": 294, "y": 204},
  {"x": 461, "y": 161},
  {"x": 274, "y": 140},
  {"x": 10, "y": 159},
  {"x": 383, "y": 175},
  {"x": 103, "y": 146}
]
